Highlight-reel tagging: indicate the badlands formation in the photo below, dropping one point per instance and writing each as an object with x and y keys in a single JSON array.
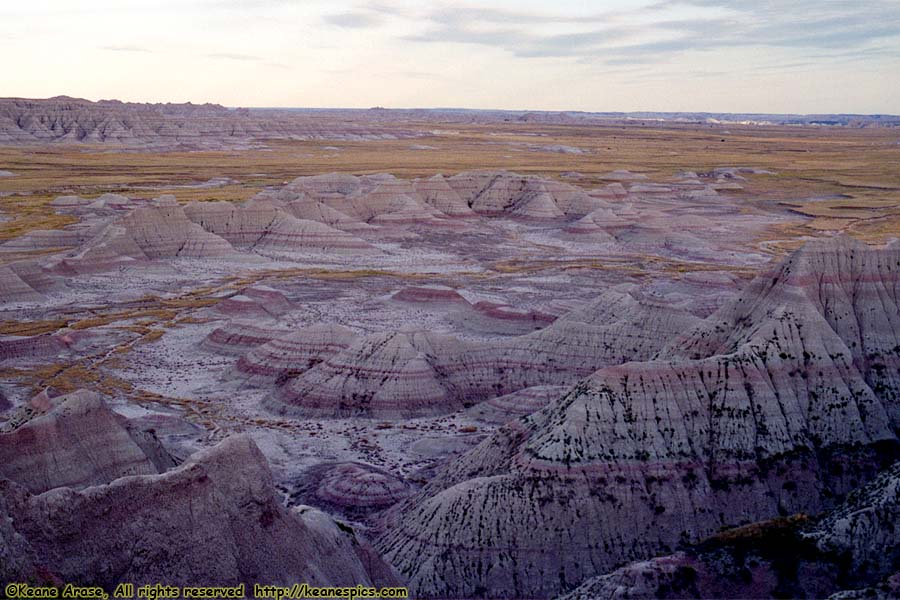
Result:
[{"x": 561, "y": 376}]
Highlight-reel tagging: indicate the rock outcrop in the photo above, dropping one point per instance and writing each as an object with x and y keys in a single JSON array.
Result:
[
  {"x": 77, "y": 442},
  {"x": 350, "y": 488},
  {"x": 64, "y": 120},
  {"x": 238, "y": 336},
  {"x": 259, "y": 226},
  {"x": 502, "y": 193},
  {"x": 14, "y": 289},
  {"x": 30, "y": 346},
  {"x": 438, "y": 193},
  {"x": 215, "y": 515},
  {"x": 854, "y": 548},
  {"x": 778, "y": 403},
  {"x": 285, "y": 357},
  {"x": 415, "y": 373}
]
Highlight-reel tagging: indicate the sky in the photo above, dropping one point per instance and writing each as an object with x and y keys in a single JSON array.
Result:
[{"x": 764, "y": 56}]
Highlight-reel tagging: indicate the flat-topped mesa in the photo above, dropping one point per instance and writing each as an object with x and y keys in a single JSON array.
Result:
[
  {"x": 529, "y": 319},
  {"x": 217, "y": 514},
  {"x": 285, "y": 357},
  {"x": 77, "y": 442},
  {"x": 429, "y": 294},
  {"x": 643, "y": 456},
  {"x": 259, "y": 226},
  {"x": 437, "y": 192},
  {"x": 237, "y": 337}
]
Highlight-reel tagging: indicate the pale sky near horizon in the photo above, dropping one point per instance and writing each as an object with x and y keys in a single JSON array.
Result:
[{"x": 788, "y": 56}]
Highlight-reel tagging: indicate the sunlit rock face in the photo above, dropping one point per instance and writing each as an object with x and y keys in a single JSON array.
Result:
[
  {"x": 217, "y": 514},
  {"x": 778, "y": 403}
]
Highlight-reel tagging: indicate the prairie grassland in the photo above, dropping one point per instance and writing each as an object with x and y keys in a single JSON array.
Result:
[{"x": 853, "y": 173}]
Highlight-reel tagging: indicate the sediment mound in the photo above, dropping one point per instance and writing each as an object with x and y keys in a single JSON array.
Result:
[
  {"x": 288, "y": 356},
  {"x": 383, "y": 375},
  {"x": 438, "y": 193},
  {"x": 14, "y": 289},
  {"x": 429, "y": 294},
  {"x": 238, "y": 336},
  {"x": 259, "y": 226},
  {"x": 502, "y": 193},
  {"x": 77, "y": 442},
  {"x": 358, "y": 487}
]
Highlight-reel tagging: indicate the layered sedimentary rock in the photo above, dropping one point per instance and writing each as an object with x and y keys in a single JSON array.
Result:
[
  {"x": 238, "y": 336},
  {"x": 164, "y": 231},
  {"x": 589, "y": 228},
  {"x": 65, "y": 120},
  {"x": 255, "y": 301},
  {"x": 314, "y": 210},
  {"x": 356, "y": 487},
  {"x": 387, "y": 375},
  {"x": 508, "y": 407},
  {"x": 14, "y": 289},
  {"x": 520, "y": 320},
  {"x": 215, "y": 515},
  {"x": 854, "y": 547},
  {"x": 77, "y": 442},
  {"x": 438, "y": 193},
  {"x": 395, "y": 202},
  {"x": 147, "y": 233},
  {"x": 203, "y": 230},
  {"x": 287, "y": 356},
  {"x": 502, "y": 193},
  {"x": 429, "y": 294},
  {"x": 30, "y": 346},
  {"x": 771, "y": 407},
  {"x": 45, "y": 239},
  {"x": 258, "y": 225},
  {"x": 417, "y": 373}
]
